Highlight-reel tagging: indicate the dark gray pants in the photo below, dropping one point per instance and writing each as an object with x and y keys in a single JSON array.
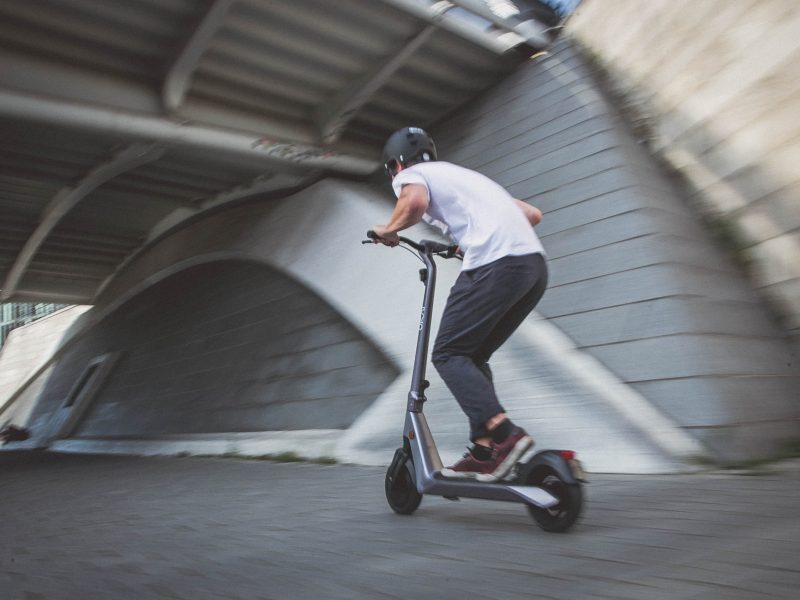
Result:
[{"x": 485, "y": 306}]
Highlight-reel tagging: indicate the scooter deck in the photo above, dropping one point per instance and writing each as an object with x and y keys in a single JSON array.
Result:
[{"x": 494, "y": 490}]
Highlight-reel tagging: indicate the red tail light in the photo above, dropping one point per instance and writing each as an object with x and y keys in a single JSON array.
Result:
[{"x": 568, "y": 454}]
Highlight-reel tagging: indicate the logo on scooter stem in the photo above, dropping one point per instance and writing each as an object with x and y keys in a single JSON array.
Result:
[{"x": 422, "y": 319}]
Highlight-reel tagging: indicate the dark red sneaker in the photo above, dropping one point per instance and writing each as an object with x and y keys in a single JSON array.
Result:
[
  {"x": 506, "y": 453},
  {"x": 469, "y": 467}
]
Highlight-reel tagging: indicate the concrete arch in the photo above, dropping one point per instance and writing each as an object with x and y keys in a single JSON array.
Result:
[
  {"x": 258, "y": 233},
  {"x": 314, "y": 238},
  {"x": 256, "y": 352}
]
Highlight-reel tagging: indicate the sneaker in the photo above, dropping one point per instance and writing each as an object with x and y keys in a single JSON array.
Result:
[
  {"x": 505, "y": 454},
  {"x": 468, "y": 467}
]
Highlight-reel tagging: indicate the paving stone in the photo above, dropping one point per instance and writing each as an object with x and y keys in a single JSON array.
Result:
[{"x": 197, "y": 528}]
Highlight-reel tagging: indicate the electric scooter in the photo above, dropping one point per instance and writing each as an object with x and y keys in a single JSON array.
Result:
[{"x": 549, "y": 483}]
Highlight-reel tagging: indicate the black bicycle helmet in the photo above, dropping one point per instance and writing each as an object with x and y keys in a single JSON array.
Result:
[{"x": 407, "y": 146}]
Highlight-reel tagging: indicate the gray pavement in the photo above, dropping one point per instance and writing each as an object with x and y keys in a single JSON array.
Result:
[{"x": 79, "y": 527}]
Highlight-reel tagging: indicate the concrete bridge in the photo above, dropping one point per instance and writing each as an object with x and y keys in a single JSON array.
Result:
[{"x": 208, "y": 202}]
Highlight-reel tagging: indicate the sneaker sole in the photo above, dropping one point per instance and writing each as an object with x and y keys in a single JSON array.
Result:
[
  {"x": 450, "y": 474},
  {"x": 502, "y": 470}
]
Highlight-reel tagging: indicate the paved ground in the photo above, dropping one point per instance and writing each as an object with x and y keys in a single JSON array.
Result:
[{"x": 81, "y": 527}]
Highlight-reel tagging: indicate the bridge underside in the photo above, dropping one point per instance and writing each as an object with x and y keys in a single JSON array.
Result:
[
  {"x": 121, "y": 122},
  {"x": 180, "y": 206}
]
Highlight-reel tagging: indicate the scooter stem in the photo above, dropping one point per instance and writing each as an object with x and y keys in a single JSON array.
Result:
[{"x": 416, "y": 395}]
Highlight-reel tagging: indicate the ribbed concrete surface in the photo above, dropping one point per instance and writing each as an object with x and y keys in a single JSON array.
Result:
[
  {"x": 636, "y": 280},
  {"x": 721, "y": 114}
]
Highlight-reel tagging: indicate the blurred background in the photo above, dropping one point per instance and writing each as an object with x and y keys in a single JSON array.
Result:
[{"x": 184, "y": 187}]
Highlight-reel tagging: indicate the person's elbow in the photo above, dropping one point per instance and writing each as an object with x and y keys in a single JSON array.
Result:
[
  {"x": 533, "y": 214},
  {"x": 417, "y": 208}
]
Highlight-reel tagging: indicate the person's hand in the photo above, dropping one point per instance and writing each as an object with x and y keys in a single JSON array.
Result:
[{"x": 388, "y": 238}]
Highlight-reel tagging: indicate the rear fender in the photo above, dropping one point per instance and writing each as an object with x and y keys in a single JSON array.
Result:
[{"x": 554, "y": 460}]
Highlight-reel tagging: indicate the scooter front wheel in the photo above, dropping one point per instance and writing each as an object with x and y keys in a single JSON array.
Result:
[
  {"x": 401, "y": 491},
  {"x": 563, "y": 515}
]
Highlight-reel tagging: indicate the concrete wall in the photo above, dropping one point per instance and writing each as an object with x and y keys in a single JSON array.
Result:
[
  {"x": 716, "y": 84},
  {"x": 225, "y": 327},
  {"x": 226, "y": 346},
  {"x": 237, "y": 328},
  {"x": 667, "y": 328},
  {"x": 635, "y": 279}
]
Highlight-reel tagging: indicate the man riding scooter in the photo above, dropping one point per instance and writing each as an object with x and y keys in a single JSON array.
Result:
[{"x": 503, "y": 277}]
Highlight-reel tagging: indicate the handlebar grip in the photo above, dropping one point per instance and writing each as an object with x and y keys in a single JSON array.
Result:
[
  {"x": 421, "y": 246},
  {"x": 373, "y": 238}
]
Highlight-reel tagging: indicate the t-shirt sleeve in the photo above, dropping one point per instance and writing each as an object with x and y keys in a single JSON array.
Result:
[{"x": 406, "y": 177}]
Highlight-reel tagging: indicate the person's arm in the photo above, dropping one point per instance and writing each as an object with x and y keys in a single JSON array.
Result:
[
  {"x": 533, "y": 214},
  {"x": 411, "y": 205}
]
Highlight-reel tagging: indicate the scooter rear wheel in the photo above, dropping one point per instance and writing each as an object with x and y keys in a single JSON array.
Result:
[
  {"x": 563, "y": 515},
  {"x": 401, "y": 492}
]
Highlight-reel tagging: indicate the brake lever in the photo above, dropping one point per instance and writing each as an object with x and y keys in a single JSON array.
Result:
[{"x": 451, "y": 252}]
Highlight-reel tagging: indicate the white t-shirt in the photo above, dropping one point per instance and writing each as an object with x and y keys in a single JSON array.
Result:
[{"x": 477, "y": 213}]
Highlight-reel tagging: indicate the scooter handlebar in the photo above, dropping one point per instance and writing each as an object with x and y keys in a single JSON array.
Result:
[{"x": 431, "y": 246}]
